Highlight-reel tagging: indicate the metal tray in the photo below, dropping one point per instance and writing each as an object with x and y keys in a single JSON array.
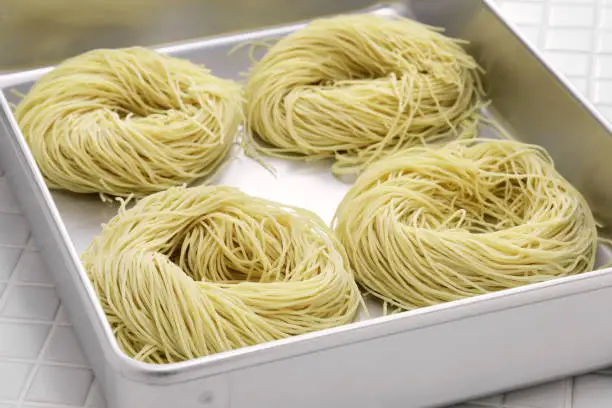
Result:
[{"x": 426, "y": 357}]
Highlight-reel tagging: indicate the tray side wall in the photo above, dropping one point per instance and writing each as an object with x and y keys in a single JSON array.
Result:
[
  {"x": 435, "y": 358},
  {"x": 440, "y": 364},
  {"x": 26, "y": 182}
]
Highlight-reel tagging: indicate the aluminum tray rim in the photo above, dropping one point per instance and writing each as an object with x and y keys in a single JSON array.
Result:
[{"x": 169, "y": 373}]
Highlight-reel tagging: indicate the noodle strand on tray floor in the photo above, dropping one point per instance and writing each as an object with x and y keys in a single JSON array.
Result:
[
  {"x": 356, "y": 88},
  {"x": 195, "y": 271},
  {"x": 431, "y": 225},
  {"x": 128, "y": 121}
]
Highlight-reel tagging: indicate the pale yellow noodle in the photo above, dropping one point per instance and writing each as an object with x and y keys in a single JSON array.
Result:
[
  {"x": 129, "y": 121},
  {"x": 431, "y": 225},
  {"x": 356, "y": 88},
  {"x": 195, "y": 271}
]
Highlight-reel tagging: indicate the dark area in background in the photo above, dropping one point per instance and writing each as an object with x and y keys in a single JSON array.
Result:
[{"x": 43, "y": 32}]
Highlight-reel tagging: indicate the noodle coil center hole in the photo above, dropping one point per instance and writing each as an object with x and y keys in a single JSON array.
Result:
[
  {"x": 472, "y": 200},
  {"x": 233, "y": 247}
]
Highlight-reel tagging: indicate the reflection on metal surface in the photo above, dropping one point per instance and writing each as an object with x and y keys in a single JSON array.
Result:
[{"x": 42, "y": 32}]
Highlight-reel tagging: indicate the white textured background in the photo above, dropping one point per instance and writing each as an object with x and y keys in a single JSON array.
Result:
[{"x": 41, "y": 364}]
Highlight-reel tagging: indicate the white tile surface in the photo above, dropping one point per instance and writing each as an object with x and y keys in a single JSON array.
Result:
[
  {"x": 603, "y": 66},
  {"x": 61, "y": 316},
  {"x": 7, "y": 201},
  {"x": 22, "y": 340},
  {"x": 8, "y": 260},
  {"x": 31, "y": 302},
  {"x": 593, "y": 391},
  {"x": 603, "y": 92},
  {"x": 64, "y": 347},
  {"x": 523, "y": 13},
  {"x": 13, "y": 229},
  {"x": 31, "y": 245},
  {"x": 564, "y": 15},
  {"x": 61, "y": 385},
  {"x": 569, "y": 39},
  {"x": 604, "y": 41},
  {"x": 41, "y": 363},
  {"x": 31, "y": 269},
  {"x": 550, "y": 395},
  {"x": 95, "y": 399},
  {"x": 13, "y": 377},
  {"x": 606, "y": 20}
]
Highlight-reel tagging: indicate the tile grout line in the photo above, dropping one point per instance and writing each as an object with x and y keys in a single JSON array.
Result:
[
  {"x": 568, "y": 27},
  {"x": 40, "y": 404},
  {"x": 504, "y": 404},
  {"x": 569, "y": 393},
  {"x": 544, "y": 26},
  {"x": 31, "y": 284},
  {"x": 598, "y": 7},
  {"x": 11, "y": 246},
  {"x": 47, "y": 363},
  {"x": 564, "y": 27},
  {"x": 87, "y": 403},
  {"x": 37, "y": 322},
  {"x": 10, "y": 212},
  {"x": 11, "y": 283},
  {"x": 37, "y": 364}
]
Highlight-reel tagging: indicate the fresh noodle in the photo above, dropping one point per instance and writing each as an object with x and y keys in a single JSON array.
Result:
[
  {"x": 129, "y": 121},
  {"x": 431, "y": 225},
  {"x": 195, "y": 271},
  {"x": 355, "y": 88}
]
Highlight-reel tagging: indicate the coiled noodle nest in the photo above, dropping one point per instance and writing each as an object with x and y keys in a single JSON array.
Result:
[
  {"x": 190, "y": 272},
  {"x": 128, "y": 121},
  {"x": 432, "y": 225},
  {"x": 358, "y": 87}
]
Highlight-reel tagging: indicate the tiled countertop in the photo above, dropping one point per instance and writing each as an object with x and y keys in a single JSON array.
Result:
[{"x": 41, "y": 364}]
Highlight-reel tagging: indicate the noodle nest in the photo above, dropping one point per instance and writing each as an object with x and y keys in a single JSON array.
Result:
[
  {"x": 194, "y": 271},
  {"x": 429, "y": 225},
  {"x": 356, "y": 88},
  {"x": 128, "y": 121}
]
